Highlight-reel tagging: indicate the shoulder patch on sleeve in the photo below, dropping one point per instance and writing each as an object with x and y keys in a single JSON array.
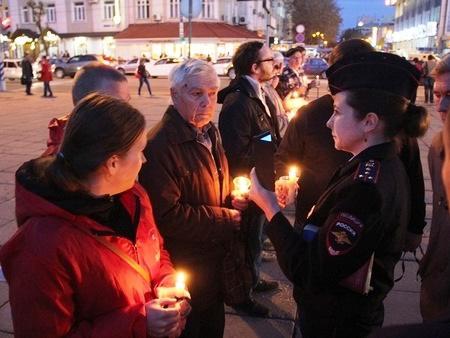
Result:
[
  {"x": 367, "y": 171},
  {"x": 343, "y": 234}
]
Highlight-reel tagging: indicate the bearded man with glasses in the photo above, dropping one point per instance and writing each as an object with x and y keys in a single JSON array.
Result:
[{"x": 247, "y": 113}]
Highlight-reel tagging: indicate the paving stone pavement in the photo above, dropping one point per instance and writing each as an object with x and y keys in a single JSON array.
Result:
[{"x": 23, "y": 134}]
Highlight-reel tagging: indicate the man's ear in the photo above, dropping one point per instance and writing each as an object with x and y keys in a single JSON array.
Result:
[
  {"x": 371, "y": 122},
  {"x": 254, "y": 68}
]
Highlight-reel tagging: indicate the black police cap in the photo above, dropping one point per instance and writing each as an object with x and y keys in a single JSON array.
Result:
[{"x": 374, "y": 70}]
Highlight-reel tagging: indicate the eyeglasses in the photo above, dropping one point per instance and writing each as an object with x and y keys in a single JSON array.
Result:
[{"x": 265, "y": 60}]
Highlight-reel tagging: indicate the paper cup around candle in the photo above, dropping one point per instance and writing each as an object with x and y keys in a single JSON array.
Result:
[
  {"x": 241, "y": 186},
  {"x": 286, "y": 188}
]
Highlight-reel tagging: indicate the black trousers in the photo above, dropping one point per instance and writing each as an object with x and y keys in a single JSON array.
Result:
[
  {"x": 207, "y": 323},
  {"x": 143, "y": 80},
  {"x": 47, "y": 88},
  {"x": 314, "y": 324},
  {"x": 28, "y": 87}
]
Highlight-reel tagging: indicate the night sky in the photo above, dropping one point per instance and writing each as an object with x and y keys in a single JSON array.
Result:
[{"x": 351, "y": 10}]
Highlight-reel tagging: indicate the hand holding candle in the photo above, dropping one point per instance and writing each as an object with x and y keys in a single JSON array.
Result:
[
  {"x": 177, "y": 292},
  {"x": 286, "y": 187}
]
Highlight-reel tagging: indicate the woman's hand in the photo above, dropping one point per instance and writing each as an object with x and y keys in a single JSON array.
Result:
[
  {"x": 163, "y": 318},
  {"x": 265, "y": 199}
]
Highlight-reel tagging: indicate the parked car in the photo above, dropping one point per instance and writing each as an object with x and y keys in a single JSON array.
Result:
[
  {"x": 75, "y": 63},
  {"x": 13, "y": 69},
  {"x": 162, "y": 67},
  {"x": 315, "y": 66},
  {"x": 224, "y": 67},
  {"x": 131, "y": 66}
]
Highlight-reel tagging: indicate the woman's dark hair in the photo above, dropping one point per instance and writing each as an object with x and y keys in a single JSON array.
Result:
[
  {"x": 245, "y": 56},
  {"x": 397, "y": 113},
  {"x": 99, "y": 127}
]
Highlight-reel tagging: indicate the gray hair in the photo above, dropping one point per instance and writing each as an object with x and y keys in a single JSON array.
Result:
[
  {"x": 442, "y": 66},
  {"x": 278, "y": 57},
  {"x": 181, "y": 73},
  {"x": 96, "y": 77}
]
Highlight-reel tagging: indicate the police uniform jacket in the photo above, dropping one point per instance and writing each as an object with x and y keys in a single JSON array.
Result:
[
  {"x": 309, "y": 144},
  {"x": 289, "y": 81},
  {"x": 363, "y": 211}
]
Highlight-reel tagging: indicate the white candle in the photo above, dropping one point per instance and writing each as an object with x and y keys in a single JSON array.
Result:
[
  {"x": 180, "y": 281},
  {"x": 286, "y": 186}
]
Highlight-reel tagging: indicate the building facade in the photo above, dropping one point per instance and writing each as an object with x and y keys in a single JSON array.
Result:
[
  {"x": 416, "y": 26},
  {"x": 103, "y": 26}
]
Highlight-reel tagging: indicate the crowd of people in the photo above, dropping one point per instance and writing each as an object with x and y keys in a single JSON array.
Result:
[{"x": 110, "y": 214}]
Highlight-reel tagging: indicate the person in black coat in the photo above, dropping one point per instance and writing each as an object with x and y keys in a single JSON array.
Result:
[
  {"x": 143, "y": 77},
  {"x": 308, "y": 144},
  {"x": 245, "y": 114},
  {"x": 27, "y": 73},
  {"x": 342, "y": 262}
]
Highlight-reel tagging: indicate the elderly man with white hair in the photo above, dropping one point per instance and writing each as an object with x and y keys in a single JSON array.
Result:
[{"x": 186, "y": 176}]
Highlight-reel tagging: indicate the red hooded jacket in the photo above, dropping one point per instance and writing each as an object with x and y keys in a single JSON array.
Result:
[{"x": 63, "y": 283}]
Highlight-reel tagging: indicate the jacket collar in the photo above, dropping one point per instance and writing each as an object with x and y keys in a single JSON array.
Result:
[
  {"x": 179, "y": 130},
  {"x": 240, "y": 84},
  {"x": 377, "y": 152}
]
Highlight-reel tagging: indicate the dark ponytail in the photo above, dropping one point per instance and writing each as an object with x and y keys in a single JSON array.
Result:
[
  {"x": 398, "y": 114},
  {"x": 416, "y": 121},
  {"x": 99, "y": 127}
]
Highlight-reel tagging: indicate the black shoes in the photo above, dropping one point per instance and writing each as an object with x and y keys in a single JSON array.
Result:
[
  {"x": 252, "y": 308},
  {"x": 264, "y": 286}
]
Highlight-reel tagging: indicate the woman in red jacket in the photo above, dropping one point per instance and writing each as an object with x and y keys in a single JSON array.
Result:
[
  {"x": 87, "y": 259},
  {"x": 46, "y": 76}
]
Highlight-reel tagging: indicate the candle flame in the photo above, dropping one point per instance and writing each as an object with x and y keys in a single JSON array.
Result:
[
  {"x": 180, "y": 282},
  {"x": 293, "y": 173}
]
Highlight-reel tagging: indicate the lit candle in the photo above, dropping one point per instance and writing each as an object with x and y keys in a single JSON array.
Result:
[
  {"x": 286, "y": 186},
  {"x": 178, "y": 291},
  {"x": 180, "y": 281},
  {"x": 241, "y": 186},
  {"x": 293, "y": 173}
]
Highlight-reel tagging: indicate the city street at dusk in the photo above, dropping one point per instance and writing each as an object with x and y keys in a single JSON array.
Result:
[{"x": 23, "y": 135}]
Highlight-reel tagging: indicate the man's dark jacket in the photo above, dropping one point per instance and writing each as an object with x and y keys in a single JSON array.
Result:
[
  {"x": 242, "y": 117},
  {"x": 309, "y": 144},
  {"x": 188, "y": 187},
  {"x": 27, "y": 70}
]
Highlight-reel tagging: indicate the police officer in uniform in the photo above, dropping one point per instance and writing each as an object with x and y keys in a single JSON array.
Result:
[{"x": 342, "y": 263}]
